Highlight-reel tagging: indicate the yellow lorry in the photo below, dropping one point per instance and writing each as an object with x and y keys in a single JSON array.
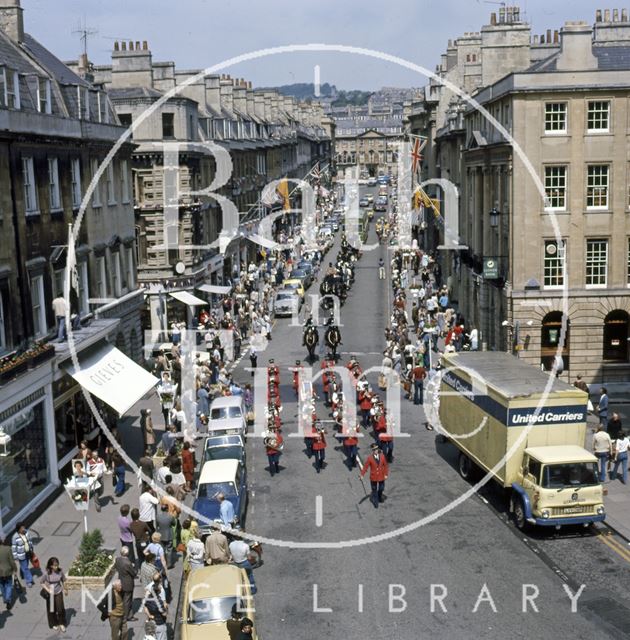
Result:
[{"x": 493, "y": 407}]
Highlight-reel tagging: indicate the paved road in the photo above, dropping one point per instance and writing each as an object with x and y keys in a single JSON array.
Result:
[{"x": 465, "y": 549}]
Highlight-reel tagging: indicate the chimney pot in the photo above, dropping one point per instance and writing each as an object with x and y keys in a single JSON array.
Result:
[
  {"x": 137, "y": 45},
  {"x": 624, "y": 15},
  {"x": 123, "y": 46},
  {"x": 130, "y": 45},
  {"x": 556, "y": 37},
  {"x": 116, "y": 46},
  {"x": 145, "y": 45},
  {"x": 542, "y": 38},
  {"x": 502, "y": 14},
  {"x": 598, "y": 15},
  {"x": 493, "y": 18},
  {"x": 606, "y": 15},
  {"x": 536, "y": 39},
  {"x": 548, "y": 36},
  {"x": 249, "y": 84},
  {"x": 615, "y": 15}
]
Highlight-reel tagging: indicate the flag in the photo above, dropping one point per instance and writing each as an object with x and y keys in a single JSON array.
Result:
[
  {"x": 416, "y": 152},
  {"x": 283, "y": 191}
]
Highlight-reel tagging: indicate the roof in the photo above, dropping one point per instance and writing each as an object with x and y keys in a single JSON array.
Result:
[
  {"x": 226, "y": 401},
  {"x": 134, "y": 92},
  {"x": 609, "y": 58},
  {"x": 223, "y": 441},
  {"x": 215, "y": 581},
  {"x": 560, "y": 453},
  {"x": 58, "y": 69},
  {"x": 507, "y": 374},
  {"x": 218, "y": 471}
]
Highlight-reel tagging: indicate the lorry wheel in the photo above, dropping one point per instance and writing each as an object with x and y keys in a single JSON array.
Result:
[
  {"x": 519, "y": 514},
  {"x": 465, "y": 467}
]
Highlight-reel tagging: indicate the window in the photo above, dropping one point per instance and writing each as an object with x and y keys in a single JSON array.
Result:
[
  {"x": 116, "y": 272},
  {"x": 556, "y": 188},
  {"x": 554, "y": 264},
  {"x": 30, "y": 190},
  {"x": 125, "y": 119},
  {"x": 44, "y": 99},
  {"x": 616, "y": 336},
  {"x": 598, "y": 118},
  {"x": 75, "y": 175},
  {"x": 111, "y": 193},
  {"x": 597, "y": 184},
  {"x": 103, "y": 108},
  {"x": 58, "y": 280},
  {"x": 53, "y": 184},
  {"x": 628, "y": 264},
  {"x": 3, "y": 336},
  {"x": 168, "y": 125},
  {"x": 101, "y": 278},
  {"x": 124, "y": 182},
  {"x": 131, "y": 270},
  {"x": 38, "y": 306},
  {"x": 551, "y": 338},
  {"x": 83, "y": 102},
  {"x": 556, "y": 117},
  {"x": 84, "y": 288},
  {"x": 10, "y": 84},
  {"x": 96, "y": 195},
  {"x": 596, "y": 263}
]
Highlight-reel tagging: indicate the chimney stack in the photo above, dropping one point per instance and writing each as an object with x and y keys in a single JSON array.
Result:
[
  {"x": 576, "y": 52},
  {"x": 12, "y": 19}
]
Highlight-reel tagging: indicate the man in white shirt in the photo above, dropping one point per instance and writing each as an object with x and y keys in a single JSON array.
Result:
[
  {"x": 240, "y": 552},
  {"x": 148, "y": 507},
  {"x": 59, "y": 307},
  {"x": 602, "y": 448}
]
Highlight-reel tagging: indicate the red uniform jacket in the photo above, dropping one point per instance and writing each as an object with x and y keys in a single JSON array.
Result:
[
  {"x": 381, "y": 423},
  {"x": 319, "y": 442},
  {"x": 364, "y": 401},
  {"x": 378, "y": 470}
]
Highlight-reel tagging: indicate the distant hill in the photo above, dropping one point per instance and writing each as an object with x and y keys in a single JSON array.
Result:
[{"x": 340, "y": 98}]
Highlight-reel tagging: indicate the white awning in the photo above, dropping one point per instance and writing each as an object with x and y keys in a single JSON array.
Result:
[
  {"x": 214, "y": 288},
  {"x": 111, "y": 376},
  {"x": 265, "y": 242},
  {"x": 189, "y": 299}
]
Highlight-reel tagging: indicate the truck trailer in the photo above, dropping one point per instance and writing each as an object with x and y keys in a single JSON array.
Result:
[{"x": 495, "y": 409}]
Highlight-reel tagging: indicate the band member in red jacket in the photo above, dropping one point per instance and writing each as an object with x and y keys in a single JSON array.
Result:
[
  {"x": 351, "y": 445},
  {"x": 365, "y": 403},
  {"x": 298, "y": 372},
  {"x": 386, "y": 443},
  {"x": 319, "y": 448},
  {"x": 274, "y": 444},
  {"x": 379, "y": 471},
  {"x": 273, "y": 373}
]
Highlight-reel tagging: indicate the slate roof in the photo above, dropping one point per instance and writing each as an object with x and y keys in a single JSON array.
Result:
[
  {"x": 55, "y": 67},
  {"x": 131, "y": 93},
  {"x": 609, "y": 58}
]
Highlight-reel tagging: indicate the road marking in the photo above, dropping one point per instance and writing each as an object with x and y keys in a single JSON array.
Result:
[
  {"x": 615, "y": 545},
  {"x": 319, "y": 511}
]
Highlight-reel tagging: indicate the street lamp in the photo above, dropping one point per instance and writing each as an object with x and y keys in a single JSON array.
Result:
[{"x": 495, "y": 214}]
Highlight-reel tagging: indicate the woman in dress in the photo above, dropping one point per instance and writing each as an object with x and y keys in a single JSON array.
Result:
[
  {"x": 54, "y": 582},
  {"x": 146, "y": 425},
  {"x": 188, "y": 465}
]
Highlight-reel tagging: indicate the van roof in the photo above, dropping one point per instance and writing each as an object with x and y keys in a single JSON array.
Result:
[
  {"x": 509, "y": 375},
  {"x": 562, "y": 453}
]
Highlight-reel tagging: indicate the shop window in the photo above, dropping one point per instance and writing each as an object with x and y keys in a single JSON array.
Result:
[
  {"x": 616, "y": 336},
  {"x": 551, "y": 337},
  {"x": 24, "y": 471}
]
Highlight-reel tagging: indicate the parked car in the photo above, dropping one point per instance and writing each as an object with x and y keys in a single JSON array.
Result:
[
  {"x": 287, "y": 302},
  {"x": 220, "y": 476},
  {"x": 370, "y": 197},
  {"x": 364, "y": 202},
  {"x": 224, "y": 448},
  {"x": 211, "y": 595},
  {"x": 306, "y": 265},
  {"x": 372, "y": 181},
  {"x": 296, "y": 285},
  {"x": 300, "y": 274},
  {"x": 227, "y": 416}
]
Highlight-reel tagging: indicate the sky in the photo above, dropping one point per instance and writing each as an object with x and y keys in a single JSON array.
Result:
[{"x": 197, "y": 34}]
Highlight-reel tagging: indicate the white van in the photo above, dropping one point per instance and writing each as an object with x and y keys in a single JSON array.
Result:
[{"x": 227, "y": 416}]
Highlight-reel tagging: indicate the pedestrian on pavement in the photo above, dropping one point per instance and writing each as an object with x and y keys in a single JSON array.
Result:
[
  {"x": 247, "y": 630},
  {"x": 148, "y": 432},
  {"x": 8, "y": 569},
  {"x": 188, "y": 465},
  {"x": 239, "y": 549},
  {"x": 614, "y": 426},
  {"x": 147, "y": 569},
  {"x": 117, "y": 619},
  {"x": 155, "y": 547},
  {"x": 54, "y": 582},
  {"x": 126, "y": 535},
  {"x": 419, "y": 374},
  {"x": 580, "y": 384},
  {"x": 156, "y": 607},
  {"x": 96, "y": 469},
  {"x": 22, "y": 550},
  {"x": 141, "y": 534},
  {"x": 164, "y": 526},
  {"x": 621, "y": 457},
  {"x": 126, "y": 575},
  {"x": 226, "y": 510},
  {"x": 147, "y": 466},
  {"x": 148, "y": 503},
  {"x": 603, "y": 449},
  {"x": 602, "y": 406},
  {"x": 195, "y": 550},
  {"x": 217, "y": 548},
  {"x": 118, "y": 463},
  {"x": 379, "y": 471}
]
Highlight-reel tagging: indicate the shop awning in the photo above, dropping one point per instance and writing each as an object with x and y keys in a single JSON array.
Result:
[
  {"x": 111, "y": 376},
  {"x": 264, "y": 242},
  {"x": 189, "y": 299},
  {"x": 214, "y": 288}
]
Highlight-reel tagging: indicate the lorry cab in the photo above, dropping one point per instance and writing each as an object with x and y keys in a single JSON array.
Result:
[{"x": 557, "y": 485}]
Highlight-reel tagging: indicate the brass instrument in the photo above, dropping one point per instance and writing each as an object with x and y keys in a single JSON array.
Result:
[{"x": 272, "y": 443}]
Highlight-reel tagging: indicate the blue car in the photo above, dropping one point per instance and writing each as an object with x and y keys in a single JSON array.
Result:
[{"x": 228, "y": 477}]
